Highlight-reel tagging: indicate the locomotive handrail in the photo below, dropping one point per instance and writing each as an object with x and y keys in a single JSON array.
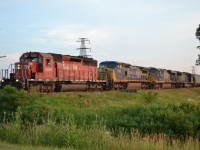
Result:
[{"x": 5, "y": 73}]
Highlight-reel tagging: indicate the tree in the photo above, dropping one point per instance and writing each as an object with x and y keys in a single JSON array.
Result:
[
  {"x": 198, "y": 33},
  {"x": 198, "y": 37}
]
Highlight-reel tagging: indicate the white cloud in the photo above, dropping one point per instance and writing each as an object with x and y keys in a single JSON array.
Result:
[{"x": 66, "y": 35}]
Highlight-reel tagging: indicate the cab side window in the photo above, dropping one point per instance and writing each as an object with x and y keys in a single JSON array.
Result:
[
  {"x": 126, "y": 73},
  {"x": 40, "y": 61},
  {"x": 48, "y": 62}
]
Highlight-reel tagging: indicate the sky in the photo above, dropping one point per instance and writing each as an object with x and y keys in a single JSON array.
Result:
[{"x": 154, "y": 33}]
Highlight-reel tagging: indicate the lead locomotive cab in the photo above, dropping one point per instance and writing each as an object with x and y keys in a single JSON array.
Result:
[{"x": 35, "y": 65}]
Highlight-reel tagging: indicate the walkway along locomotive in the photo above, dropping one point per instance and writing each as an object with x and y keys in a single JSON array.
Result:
[{"x": 48, "y": 72}]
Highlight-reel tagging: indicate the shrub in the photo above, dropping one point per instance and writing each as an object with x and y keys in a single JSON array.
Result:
[
  {"x": 10, "y": 99},
  {"x": 148, "y": 97},
  {"x": 175, "y": 121}
]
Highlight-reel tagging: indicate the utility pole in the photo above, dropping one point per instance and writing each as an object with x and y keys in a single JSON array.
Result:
[{"x": 83, "y": 49}]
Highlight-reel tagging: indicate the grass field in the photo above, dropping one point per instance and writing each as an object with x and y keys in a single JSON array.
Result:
[{"x": 159, "y": 119}]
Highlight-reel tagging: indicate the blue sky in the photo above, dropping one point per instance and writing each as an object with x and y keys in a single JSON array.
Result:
[{"x": 146, "y": 33}]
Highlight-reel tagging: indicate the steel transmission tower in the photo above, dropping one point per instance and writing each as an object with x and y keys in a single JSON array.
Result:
[{"x": 83, "y": 49}]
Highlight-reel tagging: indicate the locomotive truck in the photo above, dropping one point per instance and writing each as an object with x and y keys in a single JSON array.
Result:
[{"x": 48, "y": 72}]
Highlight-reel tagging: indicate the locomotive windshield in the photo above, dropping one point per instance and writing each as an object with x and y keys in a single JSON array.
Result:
[
  {"x": 108, "y": 64},
  {"x": 153, "y": 70},
  {"x": 31, "y": 58}
]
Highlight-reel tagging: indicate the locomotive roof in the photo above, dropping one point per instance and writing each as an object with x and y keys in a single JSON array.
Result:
[
  {"x": 59, "y": 57},
  {"x": 56, "y": 57},
  {"x": 42, "y": 54},
  {"x": 45, "y": 54},
  {"x": 117, "y": 62}
]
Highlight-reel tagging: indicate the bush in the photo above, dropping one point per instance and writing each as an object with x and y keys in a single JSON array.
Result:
[
  {"x": 148, "y": 97},
  {"x": 36, "y": 113},
  {"x": 175, "y": 121},
  {"x": 10, "y": 100}
]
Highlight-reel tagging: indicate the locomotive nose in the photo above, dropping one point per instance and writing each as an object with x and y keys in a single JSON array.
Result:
[{"x": 22, "y": 70}]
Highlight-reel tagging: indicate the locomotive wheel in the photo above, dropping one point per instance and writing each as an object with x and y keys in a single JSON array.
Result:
[
  {"x": 34, "y": 87},
  {"x": 101, "y": 88},
  {"x": 39, "y": 88},
  {"x": 144, "y": 87},
  {"x": 51, "y": 88}
]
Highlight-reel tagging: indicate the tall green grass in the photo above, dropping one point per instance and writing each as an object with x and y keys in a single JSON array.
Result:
[{"x": 67, "y": 134}]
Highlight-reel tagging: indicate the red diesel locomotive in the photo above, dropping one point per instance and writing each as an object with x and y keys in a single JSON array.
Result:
[{"x": 55, "y": 72}]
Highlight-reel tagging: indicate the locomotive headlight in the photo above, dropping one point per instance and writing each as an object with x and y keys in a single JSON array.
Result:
[
  {"x": 2, "y": 80},
  {"x": 18, "y": 66}
]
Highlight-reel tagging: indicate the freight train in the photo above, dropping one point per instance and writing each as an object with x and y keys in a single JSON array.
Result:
[{"x": 48, "y": 72}]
